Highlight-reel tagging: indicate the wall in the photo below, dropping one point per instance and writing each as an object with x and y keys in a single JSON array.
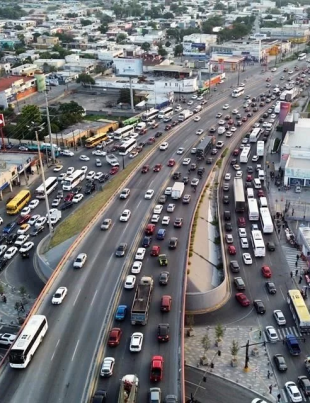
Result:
[{"x": 198, "y": 303}]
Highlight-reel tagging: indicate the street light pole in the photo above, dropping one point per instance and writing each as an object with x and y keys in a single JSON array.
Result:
[{"x": 49, "y": 129}]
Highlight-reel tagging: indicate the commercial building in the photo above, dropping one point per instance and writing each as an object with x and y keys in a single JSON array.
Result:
[
  {"x": 197, "y": 45},
  {"x": 295, "y": 32}
]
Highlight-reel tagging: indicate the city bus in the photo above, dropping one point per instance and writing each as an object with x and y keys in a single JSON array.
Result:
[
  {"x": 237, "y": 92},
  {"x": 18, "y": 202},
  {"x": 302, "y": 56},
  {"x": 254, "y": 135},
  {"x": 73, "y": 180},
  {"x": 258, "y": 243},
  {"x": 127, "y": 146},
  {"x": 253, "y": 209},
  {"x": 266, "y": 220},
  {"x": 28, "y": 341},
  {"x": 204, "y": 146},
  {"x": 123, "y": 132},
  {"x": 165, "y": 113},
  {"x": 244, "y": 156},
  {"x": 150, "y": 115},
  {"x": 299, "y": 310},
  {"x": 44, "y": 147},
  {"x": 260, "y": 148},
  {"x": 98, "y": 138},
  {"x": 50, "y": 184},
  {"x": 132, "y": 121}
]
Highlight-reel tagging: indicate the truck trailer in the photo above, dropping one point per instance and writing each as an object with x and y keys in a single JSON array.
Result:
[
  {"x": 185, "y": 114},
  {"x": 177, "y": 190},
  {"x": 141, "y": 301},
  {"x": 239, "y": 195},
  {"x": 128, "y": 389}
]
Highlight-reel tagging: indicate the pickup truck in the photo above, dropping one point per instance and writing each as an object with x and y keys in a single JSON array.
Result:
[{"x": 292, "y": 344}]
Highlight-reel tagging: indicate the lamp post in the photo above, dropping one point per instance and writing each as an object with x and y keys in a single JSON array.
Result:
[{"x": 49, "y": 129}]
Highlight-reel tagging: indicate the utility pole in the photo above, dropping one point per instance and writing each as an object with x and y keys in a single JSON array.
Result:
[
  {"x": 238, "y": 73},
  {"x": 131, "y": 95},
  {"x": 49, "y": 129}
]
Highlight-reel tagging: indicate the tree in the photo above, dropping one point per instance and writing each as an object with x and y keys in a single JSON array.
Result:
[
  {"x": 12, "y": 13},
  {"x": 29, "y": 118},
  {"x": 234, "y": 349},
  {"x": 162, "y": 52},
  {"x": 103, "y": 28},
  {"x": 86, "y": 22},
  {"x": 219, "y": 333},
  {"x": 206, "y": 344},
  {"x": 219, "y": 6},
  {"x": 100, "y": 69},
  {"x": 178, "y": 50},
  {"x": 145, "y": 46},
  {"x": 168, "y": 16},
  {"x": 168, "y": 44},
  {"x": 124, "y": 96},
  {"x": 85, "y": 79},
  {"x": 121, "y": 38}
]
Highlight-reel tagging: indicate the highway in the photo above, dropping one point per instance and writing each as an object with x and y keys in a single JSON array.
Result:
[{"x": 63, "y": 362}]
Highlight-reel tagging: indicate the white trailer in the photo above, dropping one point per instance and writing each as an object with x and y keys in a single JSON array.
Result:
[
  {"x": 260, "y": 148},
  {"x": 177, "y": 190},
  {"x": 184, "y": 115}
]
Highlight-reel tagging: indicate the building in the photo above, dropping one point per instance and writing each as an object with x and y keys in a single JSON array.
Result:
[
  {"x": 297, "y": 32},
  {"x": 197, "y": 45},
  {"x": 44, "y": 41},
  {"x": 15, "y": 88},
  {"x": 24, "y": 70}
]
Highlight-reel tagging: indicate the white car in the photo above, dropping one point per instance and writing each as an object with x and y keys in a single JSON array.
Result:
[
  {"x": 80, "y": 260},
  {"x": 40, "y": 221},
  {"x": 125, "y": 215},
  {"x": 239, "y": 174},
  {"x": 130, "y": 282},
  {"x": 158, "y": 209},
  {"x": 21, "y": 239},
  {"x": 165, "y": 220},
  {"x": 1, "y": 220},
  {"x": 193, "y": 150},
  {"x": 279, "y": 317},
  {"x": 194, "y": 182},
  {"x": 186, "y": 161},
  {"x": 23, "y": 229},
  {"x": 293, "y": 392},
  {"x": 273, "y": 69},
  {"x": 90, "y": 175},
  {"x": 58, "y": 168},
  {"x": 59, "y": 295},
  {"x": 245, "y": 140},
  {"x": 84, "y": 158},
  {"x": 26, "y": 247},
  {"x": 242, "y": 232},
  {"x": 227, "y": 177},
  {"x": 133, "y": 154},
  {"x": 163, "y": 146},
  {"x": 10, "y": 252},
  {"x": 190, "y": 102},
  {"x": 134, "y": 135},
  {"x": 241, "y": 85},
  {"x": 140, "y": 254},
  {"x": 56, "y": 202},
  {"x": 247, "y": 259},
  {"x": 34, "y": 219},
  {"x": 26, "y": 210},
  {"x": 221, "y": 122},
  {"x": 124, "y": 193},
  {"x": 98, "y": 175},
  {"x": 228, "y": 134},
  {"x": 136, "y": 342},
  {"x": 194, "y": 96},
  {"x": 237, "y": 167},
  {"x": 77, "y": 198},
  {"x": 219, "y": 115},
  {"x": 226, "y": 106},
  {"x": 199, "y": 132},
  {"x": 84, "y": 169},
  {"x": 168, "y": 191},
  {"x": 155, "y": 218},
  {"x": 67, "y": 153},
  {"x": 271, "y": 334},
  {"x": 61, "y": 177},
  {"x": 244, "y": 243},
  {"x": 170, "y": 208},
  {"x": 197, "y": 118},
  {"x": 235, "y": 111},
  {"x": 3, "y": 249},
  {"x": 229, "y": 238},
  {"x": 273, "y": 116},
  {"x": 70, "y": 170},
  {"x": 149, "y": 194},
  {"x": 136, "y": 267},
  {"x": 233, "y": 129},
  {"x": 180, "y": 150},
  {"x": 107, "y": 367},
  {"x": 255, "y": 158},
  {"x": 33, "y": 204},
  {"x": 99, "y": 153}
]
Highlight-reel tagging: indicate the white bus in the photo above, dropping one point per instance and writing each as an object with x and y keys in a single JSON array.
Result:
[
  {"x": 253, "y": 210},
  {"x": 260, "y": 148},
  {"x": 50, "y": 184},
  {"x": 254, "y": 135},
  {"x": 28, "y": 341},
  {"x": 302, "y": 56},
  {"x": 266, "y": 220},
  {"x": 244, "y": 156},
  {"x": 127, "y": 146},
  {"x": 258, "y": 243},
  {"x": 165, "y": 113},
  {"x": 237, "y": 92},
  {"x": 150, "y": 115},
  {"x": 123, "y": 132},
  {"x": 73, "y": 180}
]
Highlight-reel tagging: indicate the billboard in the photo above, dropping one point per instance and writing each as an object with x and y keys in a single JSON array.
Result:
[
  {"x": 128, "y": 67},
  {"x": 194, "y": 48},
  {"x": 285, "y": 108}
]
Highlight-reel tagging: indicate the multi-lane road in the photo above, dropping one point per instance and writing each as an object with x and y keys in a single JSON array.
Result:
[{"x": 62, "y": 365}]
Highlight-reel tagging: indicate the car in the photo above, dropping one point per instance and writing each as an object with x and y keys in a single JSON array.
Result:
[
  {"x": 136, "y": 342},
  {"x": 237, "y": 167},
  {"x": 221, "y": 122},
  {"x": 69, "y": 197},
  {"x": 158, "y": 209},
  {"x": 125, "y": 215},
  {"x": 219, "y": 144},
  {"x": 162, "y": 259},
  {"x": 259, "y": 306},
  {"x": 22, "y": 219},
  {"x": 173, "y": 242},
  {"x": 247, "y": 259},
  {"x": 165, "y": 220},
  {"x": 61, "y": 177},
  {"x": 170, "y": 208},
  {"x": 77, "y": 198},
  {"x": 56, "y": 202},
  {"x": 270, "y": 287},
  {"x": 59, "y": 295},
  {"x": 168, "y": 191},
  {"x": 242, "y": 299},
  {"x": 190, "y": 102},
  {"x": 171, "y": 163},
  {"x": 194, "y": 182},
  {"x": 66, "y": 205},
  {"x": 67, "y": 153},
  {"x": 178, "y": 222},
  {"x": 80, "y": 261},
  {"x": 161, "y": 233},
  {"x": 199, "y": 132},
  {"x": 140, "y": 254},
  {"x": 266, "y": 271},
  {"x": 37, "y": 230},
  {"x": 157, "y": 168},
  {"x": 155, "y": 218},
  {"x": 229, "y": 238},
  {"x": 98, "y": 176},
  {"x": 212, "y": 129},
  {"x": 241, "y": 222},
  {"x": 150, "y": 228},
  {"x": 7, "y": 339},
  {"x": 124, "y": 193},
  {"x": 3, "y": 249},
  {"x": 25, "y": 211},
  {"x": 239, "y": 283},
  {"x": 304, "y": 383},
  {"x": 90, "y": 175},
  {"x": 33, "y": 204},
  {"x": 157, "y": 367},
  {"x": 279, "y": 317},
  {"x": 58, "y": 168},
  {"x": 293, "y": 392},
  {"x": 114, "y": 337},
  {"x": 21, "y": 239},
  {"x": 149, "y": 194},
  {"x": 271, "y": 246},
  {"x": 180, "y": 150},
  {"x": 226, "y": 106},
  {"x": 99, "y": 153},
  {"x": 242, "y": 232},
  {"x": 255, "y": 158},
  {"x": 226, "y": 187},
  {"x": 163, "y": 332},
  {"x": 145, "y": 169},
  {"x": 136, "y": 267},
  {"x": 23, "y": 229},
  {"x": 10, "y": 252},
  {"x": 219, "y": 115},
  {"x": 176, "y": 175},
  {"x": 154, "y": 395},
  {"x": 186, "y": 161},
  {"x": 163, "y": 278},
  {"x": 231, "y": 250},
  {"x": 84, "y": 158},
  {"x": 121, "y": 249},
  {"x": 163, "y": 146},
  {"x": 130, "y": 282},
  {"x": 155, "y": 251},
  {"x": 107, "y": 367},
  {"x": 239, "y": 174},
  {"x": 271, "y": 334},
  {"x": 196, "y": 119},
  {"x": 27, "y": 246},
  {"x": 121, "y": 312},
  {"x": 280, "y": 363}
]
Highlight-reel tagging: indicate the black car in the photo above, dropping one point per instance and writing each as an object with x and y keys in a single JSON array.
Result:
[
  {"x": 200, "y": 171},
  {"x": 271, "y": 288},
  {"x": 146, "y": 242},
  {"x": 90, "y": 188},
  {"x": 228, "y": 226},
  {"x": 121, "y": 250},
  {"x": 259, "y": 306},
  {"x": 304, "y": 384},
  {"x": 3, "y": 263},
  {"x": 158, "y": 134},
  {"x": 2, "y": 239},
  {"x": 163, "y": 331},
  {"x": 77, "y": 190},
  {"x": 104, "y": 178},
  {"x": 66, "y": 205},
  {"x": 164, "y": 278},
  {"x": 265, "y": 115},
  {"x": 226, "y": 199},
  {"x": 100, "y": 396},
  {"x": 209, "y": 160},
  {"x": 250, "y": 169},
  {"x": 227, "y": 215},
  {"x": 280, "y": 363},
  {"x": 193, "y": 167},
  {"x": 233, "y": 161},
  {"x": 234, "y": 266},
  {"x": 185, "y": 180},
  {"x": 162, "y": 199},
  {"x": 261, "y": 120},
  {"x": 11, "y": 239},
  {"x": 271, "y": 246},
  {"x": 37, "y": 231},
  {"x": 176, "y": 175},
  {"x": 173, "y": 242}
]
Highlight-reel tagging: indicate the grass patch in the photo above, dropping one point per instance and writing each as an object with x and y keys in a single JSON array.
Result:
[
  {"x": 94, "y": 118},
  {"x": 76, "y": 222}
]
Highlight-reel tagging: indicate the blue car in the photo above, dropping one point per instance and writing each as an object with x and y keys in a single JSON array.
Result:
[
  {"x": 161, "y": 233},
  {"x": 9, "y": 227},
  {"x": 121, "y": 312}
]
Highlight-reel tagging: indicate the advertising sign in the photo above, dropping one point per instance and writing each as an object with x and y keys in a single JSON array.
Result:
[
  {"x": 2, "y": 124},
  {"x": 128, "y": 67},
  {"x": 194, "y": 48},
  {"x": 285, "y": 108}
]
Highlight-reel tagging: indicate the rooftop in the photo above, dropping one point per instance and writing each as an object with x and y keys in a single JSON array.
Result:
[
  {"x": 299, "y": 138},
  {"x": 15, "y": 158},
  {"x": 8, "y": 81},
  {"x": 298, "y": 164}
]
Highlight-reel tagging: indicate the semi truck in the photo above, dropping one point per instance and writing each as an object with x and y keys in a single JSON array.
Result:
[
  {"x": 129, "y": 389},
  {"x": 185, "y": 114},
  {"x": 141, "y": 301},
  {"x": 177, "y": 190},
  {"x": 292, "y": 344},
  {"x": 239, "y": 195}
]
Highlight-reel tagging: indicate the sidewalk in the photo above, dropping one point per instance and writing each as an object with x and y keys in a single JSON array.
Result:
[{"x": 9, "y": 314}]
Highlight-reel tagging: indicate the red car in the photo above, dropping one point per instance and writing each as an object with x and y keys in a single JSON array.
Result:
[
  {"x": 157, "y": 168},
  {"x": 154, "y": 125},
  {"x": 69, "y": 197},
  {"x": 260, "y": 193},
  {"x": 151, "y": 140},
  {"x": 266, "y": 271},
  {"x": 114, "y": 336},
  {"x": 242, "y": 299},
  {"x": 23, "y": 219},
  {"x": 171, "y": 163},
  {"x": 157, "y": 368},
  {"x": 168, "y": 127},
  {"x": 230, "y": 122},
  {"x": 249, "y": 178},
  {"x": 114, "y": 170},
  {"x": 268, "y": 79},
  {"x": 231, "y": 250},
  {"x": 142, "y": 131},
  {"x": 155, "y": 251},
  {"x": 174, "y": 123},
  {"x": 145, "y": 169},
  {"x": 236, "y": 152},
  {"x": 149, "y": 230},
  {"x": 241, "y": 222},
  {"x": 244, "y": 119}
]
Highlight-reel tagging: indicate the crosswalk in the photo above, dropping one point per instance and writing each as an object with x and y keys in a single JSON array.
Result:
[
  {"x": 283, "y": 331},
  {"x": 290, "y": 255}
]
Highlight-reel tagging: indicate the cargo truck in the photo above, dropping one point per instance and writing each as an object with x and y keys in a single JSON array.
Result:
[
  {"x": 177, "y": 190},
  {"x": 292, "y": 344},
  {"x": 129, "y": 389},
  {"x": 141, "y": 301},
  {"x": 185, "y": 114},
  {"x": 239, "y": 195}
]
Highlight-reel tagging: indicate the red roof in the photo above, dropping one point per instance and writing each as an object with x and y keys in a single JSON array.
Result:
[{"x": 7, "y": 82}]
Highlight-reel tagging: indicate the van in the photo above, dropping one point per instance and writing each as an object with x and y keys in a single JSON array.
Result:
[
  {"x": 227, "y": 215},
  {"x": 263, "y": 202},
  {"x": 250, "y": 193},
  {"x": 257, "y": 183},
  {"x": 165, "y": 303},
  {"x": 141, "y": 126},
  {"x": 221, "y": 130},
  {"x": 261, "y": 174}
]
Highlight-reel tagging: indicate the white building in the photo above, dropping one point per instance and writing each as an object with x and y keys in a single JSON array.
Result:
[
  {"x": 286, "y": 32},
  {"x": 197, "y": 45}
]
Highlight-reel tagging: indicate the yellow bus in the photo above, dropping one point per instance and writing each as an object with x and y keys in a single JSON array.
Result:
[
  {"x": 299, "y": 310},
  {"x": 18, "y": 202},
  {"x": 101, "y": 135}
]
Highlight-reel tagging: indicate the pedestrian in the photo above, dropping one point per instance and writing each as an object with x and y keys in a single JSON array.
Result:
[
  {"x": 260, "y": 334},
  {"x": 291, "y": 274},
  {"x": 279, "y": 398},
  {"x": 297, "y": 257},
  {"x": 300, "y": 280},
  {"x": 22, "y": 307},
  {"x": 4, "y": 299},
  {"x": 296, "y": 263},
  {"x": 270, "y": 389},
  {"x": 268, "y": 374},
  {"x": 296, "y": 272}
]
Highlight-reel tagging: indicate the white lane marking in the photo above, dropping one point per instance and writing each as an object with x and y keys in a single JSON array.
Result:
[
  {"x": 151, "y": 183},
  {"x": 75, "y": 350},
  {"x": 137, "y": 206},
  {"x": 77, "y": 297},
  {"x": 195, "y": 384},
  {"x": 55, "y": 350},
  {"x": 92, "y": 301},
  {"x": 282, "y": 293}
]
